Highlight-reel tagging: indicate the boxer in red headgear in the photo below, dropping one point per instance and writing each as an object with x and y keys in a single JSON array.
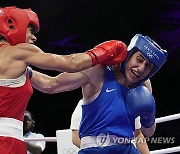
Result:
[
  {"x": 15, "y": 23},
  {"x": 17, "y": 51}
]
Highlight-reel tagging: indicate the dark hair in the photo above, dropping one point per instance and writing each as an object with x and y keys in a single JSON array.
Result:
[{"x": 26, "y": 118}]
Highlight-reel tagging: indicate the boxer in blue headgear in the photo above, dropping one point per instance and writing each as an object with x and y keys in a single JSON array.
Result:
[
  {"x": 151, "y": 51},
  {"x": 112, "y": 101}
]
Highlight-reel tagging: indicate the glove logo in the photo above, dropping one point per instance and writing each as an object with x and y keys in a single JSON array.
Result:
[{"x": 110, "y": 90}]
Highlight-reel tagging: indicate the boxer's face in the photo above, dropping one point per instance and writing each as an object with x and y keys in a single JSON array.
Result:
[
  {"x": 30, "y": 37},
  {"x": 28, "y": 122},
  {"x": 137, "y": 67}
]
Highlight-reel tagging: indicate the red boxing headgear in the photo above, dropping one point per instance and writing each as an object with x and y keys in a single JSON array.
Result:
[{"x": 14, "y": 23}]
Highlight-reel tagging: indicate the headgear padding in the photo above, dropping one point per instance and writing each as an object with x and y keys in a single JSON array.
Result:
[
  {"x": 151, "y": 51},
  {"x": 14, "y": 23}
]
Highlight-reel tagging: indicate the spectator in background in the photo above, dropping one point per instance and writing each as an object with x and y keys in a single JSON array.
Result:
[{"x": 33, "y": 147}]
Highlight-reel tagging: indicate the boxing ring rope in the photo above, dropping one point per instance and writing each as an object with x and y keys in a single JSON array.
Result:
[
  {"x": 167, "y": 150},
  {"x": 158, "y": 120},
  {"x": 47, "y": 139},
  {"x": 168, "y": 118}
]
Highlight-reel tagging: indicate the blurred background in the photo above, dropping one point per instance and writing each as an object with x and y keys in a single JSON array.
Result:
[{"x": 71, "y": 26}]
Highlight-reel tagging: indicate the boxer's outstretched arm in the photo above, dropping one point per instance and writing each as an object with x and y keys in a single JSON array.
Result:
[{"x": 32, "y": 55}]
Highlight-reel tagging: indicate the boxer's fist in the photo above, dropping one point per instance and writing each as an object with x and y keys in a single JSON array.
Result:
[
  {"x": 107, "y": 51},
  {"x": 115, "y": 61},
  {"x": 140, "y": 102}
]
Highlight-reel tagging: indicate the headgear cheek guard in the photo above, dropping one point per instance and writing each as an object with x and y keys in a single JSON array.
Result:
[
  {"x": 151, "y": 51},
  {"x": 14, "y": 23}
]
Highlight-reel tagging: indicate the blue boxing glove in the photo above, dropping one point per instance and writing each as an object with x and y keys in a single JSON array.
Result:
[{"x": 140, "y": 102}]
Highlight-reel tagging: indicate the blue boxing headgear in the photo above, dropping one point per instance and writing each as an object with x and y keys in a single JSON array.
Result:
[{"x": 151, "y": 51}]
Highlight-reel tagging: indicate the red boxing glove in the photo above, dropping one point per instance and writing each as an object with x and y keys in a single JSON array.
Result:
[
  {"x": 107, "y": 51},
  {"x": 115, "y": 61}
]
